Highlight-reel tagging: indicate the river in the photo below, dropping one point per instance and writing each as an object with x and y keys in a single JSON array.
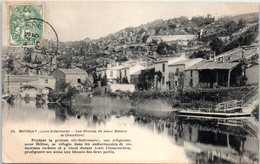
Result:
[{"x": 178, "y": 140}]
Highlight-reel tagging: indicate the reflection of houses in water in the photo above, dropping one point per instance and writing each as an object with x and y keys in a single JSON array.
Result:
[
  {"x": 209, "y": 141},
  {"x": 220, "y": 143}
]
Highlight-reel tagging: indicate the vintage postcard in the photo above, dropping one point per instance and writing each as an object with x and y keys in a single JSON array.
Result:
[{"x": 130, "y": 82}]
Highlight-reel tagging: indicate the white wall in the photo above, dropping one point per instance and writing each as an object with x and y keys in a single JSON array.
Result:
[{"x": 122, "y": 87}]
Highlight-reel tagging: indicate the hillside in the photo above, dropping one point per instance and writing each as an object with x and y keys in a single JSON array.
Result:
[{"x": 197, "y": 37}]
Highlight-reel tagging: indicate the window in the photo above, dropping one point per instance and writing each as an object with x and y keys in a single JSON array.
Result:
[
  {"x": 191, "y": 82},
  {"x": 111, "y": 73},
  {"x": 125, "y": 72},
  {"x": 229, "y": 58},
  {"x": 46, "y": 81},
  {"x": 163, "y": 80},
  {"x": 79, "y": 80},
  {"x": 220, "y": 59},
  {"x": 163, "y": 67},
  {"x": 191, "y": 73}
]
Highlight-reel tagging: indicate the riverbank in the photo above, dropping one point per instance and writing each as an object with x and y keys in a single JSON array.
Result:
[{"x": 157, "y": 104}]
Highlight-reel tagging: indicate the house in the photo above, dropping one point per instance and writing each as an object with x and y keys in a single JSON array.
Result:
[
  {"x": 209, "y": 74},
  {"x": 111, "y": 71},
  {"x": 127, "y": 71},
  {"x": 162, "y": 66},
  {"x": 118, "y": 72},
  {"x": 76, "y": 77},
  {"x": 176, "y": 72},
  {"x": 168, "y": 38},
  {"x": 226, "y": 69},
  {"x": 26, "y": 85},
  {"x": 134, "y": 77}
]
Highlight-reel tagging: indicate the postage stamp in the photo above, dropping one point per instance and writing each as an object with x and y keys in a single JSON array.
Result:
[{"x": 23, "y": 29}]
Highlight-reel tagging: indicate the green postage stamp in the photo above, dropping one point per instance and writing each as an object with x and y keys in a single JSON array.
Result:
[{"x": 24, "y": 30}]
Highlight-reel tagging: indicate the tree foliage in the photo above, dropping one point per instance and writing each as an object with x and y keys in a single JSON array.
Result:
[
  {"x": 63, "y": 94},
  {"x": 145, "y": 78},
  {"x": 104, "y": 80},
  {"x": 216, "y": 45}
]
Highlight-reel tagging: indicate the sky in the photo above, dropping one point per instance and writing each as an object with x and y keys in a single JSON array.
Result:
[{"x": 77, "y": 20}]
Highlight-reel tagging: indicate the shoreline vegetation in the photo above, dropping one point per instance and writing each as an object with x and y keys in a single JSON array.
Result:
[{"x": 148, "y": 104}]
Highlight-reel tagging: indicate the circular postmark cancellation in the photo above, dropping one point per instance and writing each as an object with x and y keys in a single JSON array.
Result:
[
  {"x": 43, "y": 51},
  {"x": 37, "y": 37}
]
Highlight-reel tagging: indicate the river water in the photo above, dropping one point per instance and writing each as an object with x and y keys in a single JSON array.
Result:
[{"x": 178, "y": 140}]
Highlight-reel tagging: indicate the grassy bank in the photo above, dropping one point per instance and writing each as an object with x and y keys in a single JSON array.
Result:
[
  {"x": 153, "y": 104},
  {"x": 195, "y": 98}
]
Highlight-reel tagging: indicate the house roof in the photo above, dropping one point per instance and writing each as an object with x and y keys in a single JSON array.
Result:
[
  {"x": 136, "y": 73},
  {"x": 171, "y": 60},
  {"x": 75, "y": 71},
  {"x": 205, "y": 64},
  {"x": 26, "y": 78},
  {"x": 187, "y": 61}
]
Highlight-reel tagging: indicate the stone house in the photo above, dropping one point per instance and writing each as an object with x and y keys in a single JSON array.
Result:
[
  {"x": 210, "y": 74},
  {"x": 26, "y": 85},
  {"x": 76, "y": 77},
  {"x": 163, "y": 67},
  {"x": 176, "y": 72},
  {"x": 117, "y": 71}
]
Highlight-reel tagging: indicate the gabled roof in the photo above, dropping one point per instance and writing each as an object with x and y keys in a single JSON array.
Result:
[{"x": 74, "y": 71}]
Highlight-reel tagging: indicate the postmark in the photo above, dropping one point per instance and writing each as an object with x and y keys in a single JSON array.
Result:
[
  {"x": 43, "y": 51},
  {"x": 24, "y": 30}
]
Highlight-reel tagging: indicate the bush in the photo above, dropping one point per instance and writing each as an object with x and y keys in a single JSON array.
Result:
[{"x": 63, "y": 95}]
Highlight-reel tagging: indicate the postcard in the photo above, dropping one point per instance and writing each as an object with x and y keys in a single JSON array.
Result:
[{"x": 130, "y": 82}]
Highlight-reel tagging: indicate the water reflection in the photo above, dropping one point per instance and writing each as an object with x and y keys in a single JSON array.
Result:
[
  {"x": 203, "y": 140},
  {"x": 212, "y": 141}
]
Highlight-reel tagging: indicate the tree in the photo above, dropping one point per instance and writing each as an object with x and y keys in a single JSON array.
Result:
[
  {"x": 63, "y": 95},
  {"x": 200, "y": 54},
  {"x": 231, "y": 27},
  {"x": 125, "y": 80},
  {"x": 88, "y": 83},
  {"x": 158, "y": 77},
  {"x": 10, "y": 64},
  {"x": 241, "y": 23},
  {"x": 95, "y": 77},
  {"x": 162, "y": 48},
  {"x": 104, "y": 80},
  {"x": 144, "y": 79},
  {"x": 216, "y": 45}
]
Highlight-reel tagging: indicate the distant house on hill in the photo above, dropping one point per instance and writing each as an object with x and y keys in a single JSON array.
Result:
[
  {"x": 180, "y": 39},
  {"x": 76, "y": 77}
]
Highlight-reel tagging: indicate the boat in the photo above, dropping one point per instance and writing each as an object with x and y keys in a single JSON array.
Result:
[{"x": 227, "y": 109}]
